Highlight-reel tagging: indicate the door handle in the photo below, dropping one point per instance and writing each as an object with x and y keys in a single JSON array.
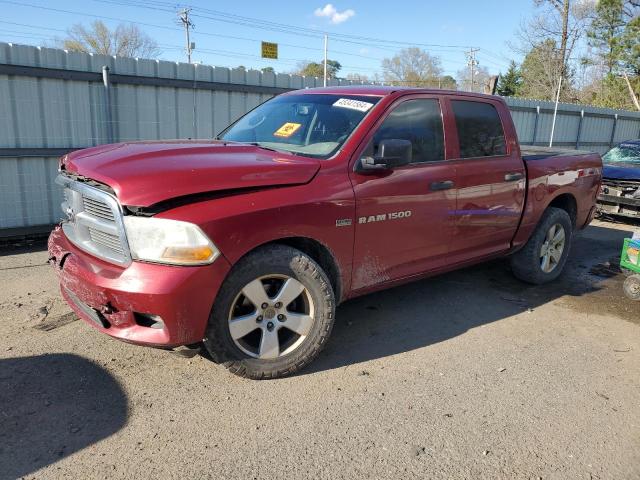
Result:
[
  {"x": 512, "y": 177},
  {"x": 444, "y": 185}
]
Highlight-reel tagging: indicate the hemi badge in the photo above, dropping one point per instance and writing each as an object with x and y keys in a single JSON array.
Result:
[{"x": 343, "y": 222}]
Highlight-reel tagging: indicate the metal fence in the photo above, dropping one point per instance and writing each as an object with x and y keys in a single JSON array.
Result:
[
  {"x": 52, "y": 102},
  {"x": 577, "y": 126}
]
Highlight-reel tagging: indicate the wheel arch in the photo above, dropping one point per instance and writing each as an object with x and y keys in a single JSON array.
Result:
[
  {"x": 563, "y": 200},
  {"x": 318, "y": 252},
  {"x": 568, "y": 203}
]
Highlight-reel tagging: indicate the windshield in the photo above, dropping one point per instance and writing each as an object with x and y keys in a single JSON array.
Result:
[
  {"x": 623, "y": 153},
  {"x": 315, "y": 125}
]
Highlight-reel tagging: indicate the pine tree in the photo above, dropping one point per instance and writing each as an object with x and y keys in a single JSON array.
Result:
[
  {"x": 510, "y": 82},
  {"x": 606, "y": 30}
]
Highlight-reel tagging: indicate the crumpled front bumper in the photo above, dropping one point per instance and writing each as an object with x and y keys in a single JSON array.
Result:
[
  {"x": 619, "y": 197},
  {"x": 144, "y": 303}
]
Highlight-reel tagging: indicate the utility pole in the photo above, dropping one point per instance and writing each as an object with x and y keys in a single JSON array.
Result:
[
  {"x": 555, "y": 112},
  {"x": 471, "y": 55},
  {"x": 326, "y": 41},
  {"x": 187, "y": 24}
]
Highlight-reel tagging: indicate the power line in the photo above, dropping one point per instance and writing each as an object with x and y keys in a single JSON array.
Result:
[
  {"x": 32, "y": 26},
  {"x": 346, "y": 67},
  {"x": 295, "y": 30},
  {"x": 281, "y": 27},
  {"x": 232, "y": 37}
]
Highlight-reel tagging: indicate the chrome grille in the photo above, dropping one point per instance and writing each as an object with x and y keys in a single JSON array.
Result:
[
  {"x": 94, "y": 221},
  {"x": 106, "y": 240},
  {"x": 98, "y": 209},
  {"x": 620, "y": 187}
]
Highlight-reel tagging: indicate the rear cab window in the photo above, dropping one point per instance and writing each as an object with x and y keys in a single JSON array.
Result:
[{"x": 480, "y": 132}]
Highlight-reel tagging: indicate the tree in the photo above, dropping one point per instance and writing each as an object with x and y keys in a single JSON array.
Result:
[
  {"x": 268, "y": 70},
  {"x": 509, "y": 84},
  {"x": 630, "y": 42},
  {"x": 561, "y": 23},
  {"x": 605, "y": 32},
  {"x": 313, "y": 69},
  {"x": 481, "y": 78},
  {"x": 562, "y": 9},
  {"x": 615, "y": 35},
  {"x": 541, "y": 70},
  {"x": 412, "y": 67},
  {"x": 631, "y": 58},
  {"x": 124, "y": 41},
  {"x": 358, "y": 78},
  {"x": 447, "y": 82}
]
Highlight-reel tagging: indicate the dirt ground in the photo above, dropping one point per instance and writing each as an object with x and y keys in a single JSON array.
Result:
[{"x": 467, "y": 375}]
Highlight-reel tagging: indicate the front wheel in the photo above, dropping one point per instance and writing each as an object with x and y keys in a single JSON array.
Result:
[
  {"x": 273, "y": 314},
  {"x": 543, "y": 258}
]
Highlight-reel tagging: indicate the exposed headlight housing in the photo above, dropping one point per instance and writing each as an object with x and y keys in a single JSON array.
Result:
[{"x": 172, "y": 242}]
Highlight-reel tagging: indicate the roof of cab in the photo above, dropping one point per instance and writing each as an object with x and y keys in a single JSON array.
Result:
[{"x": 380, "y": 91}]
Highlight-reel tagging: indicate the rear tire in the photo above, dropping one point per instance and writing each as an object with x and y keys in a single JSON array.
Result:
[
  {"x": 257, "y": 336},
  {"x": 544, "y": 256}
]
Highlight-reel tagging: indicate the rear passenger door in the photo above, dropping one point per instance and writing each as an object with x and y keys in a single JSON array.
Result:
[{"x": 490, "y": 176}]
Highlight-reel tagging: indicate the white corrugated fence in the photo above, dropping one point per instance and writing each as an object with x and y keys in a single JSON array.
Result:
[{"x": 53, "y": 101}]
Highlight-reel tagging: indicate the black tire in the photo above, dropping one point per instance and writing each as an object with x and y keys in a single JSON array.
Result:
[
  {"x": 526, "y": 263},
  {"x": 631, "y": 287},
  {"x": 266, "y": 261}
]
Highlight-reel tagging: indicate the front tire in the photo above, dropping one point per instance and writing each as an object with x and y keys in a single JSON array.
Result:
[
  {"x": 273, "y": 314},
  {"x": 544, "y": 256}
]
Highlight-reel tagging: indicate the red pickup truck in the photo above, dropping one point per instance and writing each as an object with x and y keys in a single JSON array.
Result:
[{"x": 245, "y": 244}]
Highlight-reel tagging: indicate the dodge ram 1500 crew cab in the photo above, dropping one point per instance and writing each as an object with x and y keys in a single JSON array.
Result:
[{"x": 245, "y": 244}]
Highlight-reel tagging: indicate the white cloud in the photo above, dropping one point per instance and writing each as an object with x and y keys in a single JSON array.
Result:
[{"x": 333, "y": 14}]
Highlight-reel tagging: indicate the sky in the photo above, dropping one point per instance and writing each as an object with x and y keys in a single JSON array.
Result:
[{"x": 229, "y": 33}]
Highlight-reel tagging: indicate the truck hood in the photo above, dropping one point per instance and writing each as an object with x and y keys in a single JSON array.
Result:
[
  {"x": 146, "y": 173},
  {"x": 621, "y": 171}
]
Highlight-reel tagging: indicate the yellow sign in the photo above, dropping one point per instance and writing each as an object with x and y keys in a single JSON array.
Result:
[
  {"x": 287, "y": 130},
  {"x": 270, "y": 50}
]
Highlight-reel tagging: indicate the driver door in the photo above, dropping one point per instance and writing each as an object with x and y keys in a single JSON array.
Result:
[{"x": 403, "y": 215}]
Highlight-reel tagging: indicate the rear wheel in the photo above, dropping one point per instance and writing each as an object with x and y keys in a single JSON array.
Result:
[
  {"x": 273, "y": 314},
  {"x": 544, "y": 256}
]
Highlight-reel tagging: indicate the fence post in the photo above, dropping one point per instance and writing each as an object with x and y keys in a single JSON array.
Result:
[
  {"x": 107, "y": 103},
  {"x": 535, "y": 125},
  {"x": 613, "y": 130},
  {"x": 579, "y": 129}
]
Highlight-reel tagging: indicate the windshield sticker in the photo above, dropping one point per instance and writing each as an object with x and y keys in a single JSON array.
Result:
[
  {"x": 353, "y": 104},
  {"x": 287, "y": 130}
]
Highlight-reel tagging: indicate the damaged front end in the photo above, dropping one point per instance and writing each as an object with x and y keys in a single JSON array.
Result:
[
  {"x": 619, "y": 197},
  {"x": 133, "y": 282}
]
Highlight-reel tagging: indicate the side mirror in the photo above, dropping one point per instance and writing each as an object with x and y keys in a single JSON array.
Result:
[{"x": 392, "y": 153}]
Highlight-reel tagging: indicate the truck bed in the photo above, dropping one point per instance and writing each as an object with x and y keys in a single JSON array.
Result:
[{"x": 531, "y": 153}]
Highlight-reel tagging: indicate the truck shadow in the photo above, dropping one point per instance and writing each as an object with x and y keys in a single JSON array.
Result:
[
  {"x": 436, "y": 309},
  {"x": 52, "y": 406}
]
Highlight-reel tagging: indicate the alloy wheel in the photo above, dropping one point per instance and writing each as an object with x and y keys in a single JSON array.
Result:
[
  {"x": 552, "y": 248},
  {"x": 271, "y": 316}
]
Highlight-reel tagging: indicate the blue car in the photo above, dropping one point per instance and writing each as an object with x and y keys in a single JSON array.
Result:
[{"x": 620, "y": 192}]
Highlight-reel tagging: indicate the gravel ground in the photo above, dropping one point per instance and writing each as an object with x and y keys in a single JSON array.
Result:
[{"x": 468, "y": 375}]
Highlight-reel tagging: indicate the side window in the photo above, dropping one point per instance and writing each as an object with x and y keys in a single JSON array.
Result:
[
  {"x": 479, "y": 129},
  {"x": 420, "y": 122}
]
